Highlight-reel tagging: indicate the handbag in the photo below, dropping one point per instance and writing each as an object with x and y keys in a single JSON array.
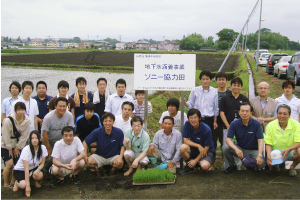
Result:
[{"x": 16, "y": 132}]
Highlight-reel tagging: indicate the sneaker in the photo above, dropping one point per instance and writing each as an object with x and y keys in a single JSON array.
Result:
[
  {"x": 293, "y": 172},
  {"x": 75, "y": 179},
  {"x": 186, "y": 170},
  {"x": 230, "y": 169},
  {"x": 275, "y": 168},
  {"x": 57, "y": 182}
]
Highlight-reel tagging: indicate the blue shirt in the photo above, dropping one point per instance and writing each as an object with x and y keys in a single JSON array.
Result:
[
  {"x": 6, "y": 105},
  {"x": 246, "y": 136},
  {"x": 107, "y": 145},
  {"x": 202, "y": 136},
  {"x": 79, "y": 110},
  {"x": 42, "y": 105},
  {"x": 84, "y": 127}
]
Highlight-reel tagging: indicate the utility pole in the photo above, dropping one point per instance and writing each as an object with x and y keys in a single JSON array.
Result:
[
  {"x": 97, "y": 37},
  {"x": 258, "y": 43},
  {"x": 88, "y": 38},
  {"x": 120, "y": 38},
  {"x": 246, "y": 37}
]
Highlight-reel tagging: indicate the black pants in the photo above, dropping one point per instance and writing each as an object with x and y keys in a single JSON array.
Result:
[{"x": 209, "y": 121}]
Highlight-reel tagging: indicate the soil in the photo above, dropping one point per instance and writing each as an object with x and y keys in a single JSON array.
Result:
[{"x": 203, "y": 61}]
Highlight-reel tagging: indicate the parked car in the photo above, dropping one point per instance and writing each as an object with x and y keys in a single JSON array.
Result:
[
  {"x": 281, "y": 66},
  {"x": 262, "y": 61},
  {"x": 260, "y": 52},
  {"x": 271, "y": 62},
  {"x": 293, "y": 70}
]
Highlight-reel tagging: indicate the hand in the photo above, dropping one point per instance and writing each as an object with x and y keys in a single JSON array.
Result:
[
  {"x": 170, "y": 165},
  {"x": 215, "y": 125},
  {"x": 151, "y": 149},
  {"x": 73, "y": 163},
  {"x": 68, "y": 166},
  {"x": 135, "y": 164},
  {"x": 86, "y": 159},
  {"x": 192, "y": 163},
  {"x": 228, "y": 127},
  {"x": 269, "y": 159},
  {"x": 258, "y": 160},
  {"x": 202, "y": 151},
  {"x": 10, "y": 153},
  {"x": 284, "y": 154},
  {"x": 36, "y": 173},
  {"x": 239, "y": 153},
  {"x": 16, "y": 152},
  {"x": 94, "y": 144},
  {"x": 49, "y": 152},
  {"x": 126, "y": 140},
  {"x": 120, "y": 161},
  {"x": 27, "y": 191}
]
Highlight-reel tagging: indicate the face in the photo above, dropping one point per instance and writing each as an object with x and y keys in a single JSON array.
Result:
[
  {"x": 172, "y": 109},
  {"x": 121, "y": 89},
  {"x": 236, "y": 88},
  {"x": 288, "y": 91},
  {"x": 205, "y": 80},
  {"x": 126, "y": 111},
  {"x": 41, "y": 90},
  {"x": 245, "y": 112},
  {"x": 140, "y": 97},
  {"x": 283, "y": 115},
  {"x": 20, "y": 112},
  {"x": 168, "y": 125},
  {"x": 194, "y": 120},
  {"x": 221, "y": 82},
  {"x": 34, "y": 140},
  {"x": 14, "y": 90},
  {"x": 137, "y": 127},
  {"x": 68, "y": 137},
  {"x": 61, "y": 107},
  {"x": 263, "y": 89},
  {"x": 88, "y": 114},
  {"x": 27, "y": 90},
  {"x": 81, "y": 86},
  {"x": 63, "y": 90},
  {"x": 108, "y": 123},
  {"x": 101, "y": 85}
]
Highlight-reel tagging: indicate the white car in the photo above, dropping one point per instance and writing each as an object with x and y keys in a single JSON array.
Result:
[
  {"x": 281, "y": 66},
  {"x": 263, "y": 59}
]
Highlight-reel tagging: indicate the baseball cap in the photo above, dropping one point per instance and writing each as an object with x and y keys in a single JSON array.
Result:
[
  {"x": 248, "y": 162},
  {"x": 276, "y": 156}
]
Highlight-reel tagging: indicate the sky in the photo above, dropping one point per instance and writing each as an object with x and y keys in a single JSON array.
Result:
[{"x": 137, "y": 19}]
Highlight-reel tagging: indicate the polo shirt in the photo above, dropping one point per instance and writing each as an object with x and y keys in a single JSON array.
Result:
[
  {"x": 202, "y": 136},
  {"x": 220, "y": 95},
  {"x": 121, "y": 124},
  {"x": 138, "y": 143},
  {"x": 79, "y": 110},
  {"x": 6, "y": 105},
  {"x": 107, "y": 145},
  {"x": 277, "y": 140},
  {"x": 84, "y": 127},
  {"x": 42, "y": 105},
  {"x": 65, "y": 153},
  {"x": 114, "y": 103},
  {"x": 246, "y": 136},
  {"x": 230, "y": 106},
  {"x": 99, "y": 106}
]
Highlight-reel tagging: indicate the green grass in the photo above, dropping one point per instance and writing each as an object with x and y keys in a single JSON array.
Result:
[
  {"x": 290, "y": 52},
  {"x": 152, "y": 176}
]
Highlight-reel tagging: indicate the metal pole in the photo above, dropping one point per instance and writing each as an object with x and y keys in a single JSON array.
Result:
[
  {"x": 181, "y": 122},
  {"x": 258, "y": 43},
  {"x": 243, "y": 40},
  {"x": 146, "y": 111}
]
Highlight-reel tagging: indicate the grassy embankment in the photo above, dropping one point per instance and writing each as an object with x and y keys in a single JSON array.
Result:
[{"x": 290, "y": 52}]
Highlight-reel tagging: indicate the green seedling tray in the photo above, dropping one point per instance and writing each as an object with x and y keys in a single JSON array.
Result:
[{"x": 157, "y": 183}]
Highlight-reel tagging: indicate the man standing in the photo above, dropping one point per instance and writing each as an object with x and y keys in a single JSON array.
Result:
[
  {"x": 198, "y": 144},
  {"x": 53, "y": 123},
  {"x": 65, "y": 157},
  {"x": 123, "y": 121},
  {"x": 205, "y": 99},
  {"x": 42, "y": 100},
  {"x": 81, "y": 96},
  {"x": 14, "y": 89},
  {"x": 139, "y": 104},
  {"x": 264, "y": 107},
  {"x": 32, "y": 109},
  {"x": 284, "y": 134},
  {"x": 166, "y": 144},
  {"x": 249, "y": 137},
  {"x": 110, "y": 148},
  {"x": 290, "y": 99},
  {"x": 115, "y": 101}
]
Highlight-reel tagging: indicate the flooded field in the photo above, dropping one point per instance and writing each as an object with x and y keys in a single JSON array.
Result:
[{"x": 52, "y": 77}]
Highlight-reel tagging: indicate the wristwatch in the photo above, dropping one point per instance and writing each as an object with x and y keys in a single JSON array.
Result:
[
  {"x": 260, "y": 155},
  {"x": 266, "y": 119}
]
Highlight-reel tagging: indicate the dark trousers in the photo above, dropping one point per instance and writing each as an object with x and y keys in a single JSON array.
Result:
[{"x": 209, "y": 121}]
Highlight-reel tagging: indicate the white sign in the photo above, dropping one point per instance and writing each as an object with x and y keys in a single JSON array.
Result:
[{"x": 164, "y": 72}]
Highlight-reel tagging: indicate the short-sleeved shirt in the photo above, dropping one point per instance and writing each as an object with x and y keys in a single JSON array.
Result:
[
  {"x": 65, "y": 153},
  {"x": 138, "y": 143},
  {"x": 121, "y": 124},
  {"x": 79, "y": 110},
  {"x": 53, "y": 124},
  {"x": 279, "y": 140},
  {"x": 43, "y": 107},
  {"x": 114, "y": 103},
  {"x": 71, "y": 103},
  {"x": 84, "y": 127},
  {"x": 32, "y": 110},
  {"x": 246, "y": 136},
  {"x": 230, "y": 106},
  {"x": 294, "y": 104},
  {"x": 177, "y": 119},
  {"x": 27, "y": 156},
  {"x": 220, "y": 95},
  {"x": 140, "y": 110},
  {"x": 108, "y": 145},
  {"x": 6, "y": 105},
  {"x": 202, "y": 136}
]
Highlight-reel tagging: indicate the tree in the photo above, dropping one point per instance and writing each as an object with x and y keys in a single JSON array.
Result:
[
  {"x": 19, "y": 39},
  {"x": 192, "y": 42},
  {"x": 226, "y": 34},
  {"x": 223, "y": 45},
  {"x": 76, "y": 39},
  {"x": 28, "y": 39}
]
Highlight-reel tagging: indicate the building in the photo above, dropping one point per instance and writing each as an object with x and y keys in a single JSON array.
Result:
[
  {"x": 101, "y": 44},
  {"x": 35, "y": 44},
  {"x": 52, "y": 44},
  {"x": 120, "y": 46},
  {"x": 70, "y": 45},
  {"x": 82, "y": 45},
  {"x": 168, "y": 45},
  {"x": 142, "y": 45}
]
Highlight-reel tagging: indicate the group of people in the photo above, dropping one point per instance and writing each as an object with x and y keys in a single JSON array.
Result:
[{"x": 66, "y": 134}]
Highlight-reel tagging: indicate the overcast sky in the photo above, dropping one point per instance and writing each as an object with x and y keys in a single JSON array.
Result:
[{"x": 137, "y": 19}]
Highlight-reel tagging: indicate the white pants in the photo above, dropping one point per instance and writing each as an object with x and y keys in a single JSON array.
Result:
[{"x": 134, "y": 155}]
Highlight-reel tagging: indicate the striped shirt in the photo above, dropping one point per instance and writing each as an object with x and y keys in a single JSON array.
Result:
[{"x": 140, "y": 110}]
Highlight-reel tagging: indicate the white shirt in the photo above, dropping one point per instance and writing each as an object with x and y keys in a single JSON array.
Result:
[
  {"x": 114, "y": 103},
  {"x": 177, "y": 119},
  {"x": 32, "y": 110},
  {"x": 66, "y": 153},
  {"x": 27, "y": 156},
  {"x": 121, "y": 124},
  {"x": 294, "y": 104}
]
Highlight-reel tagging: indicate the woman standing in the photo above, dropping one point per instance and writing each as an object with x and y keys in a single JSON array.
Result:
[
  {"x": 30, "y": 164},
  {"x": 15, "y": 131}
]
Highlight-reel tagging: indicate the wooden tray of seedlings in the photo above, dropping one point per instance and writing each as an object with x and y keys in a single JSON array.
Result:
[{"x": 153, "y": 177}]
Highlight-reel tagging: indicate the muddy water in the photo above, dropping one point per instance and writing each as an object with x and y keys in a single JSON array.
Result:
[{"x": 52, "y": 77}]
